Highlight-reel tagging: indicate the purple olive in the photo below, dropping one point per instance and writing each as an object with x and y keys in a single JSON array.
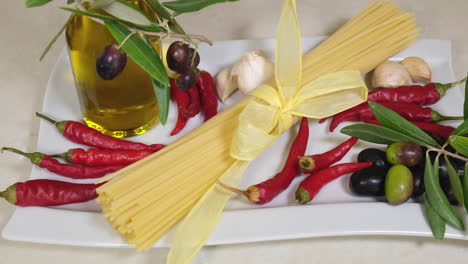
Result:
[
  {"x": 196, "y": 60},
  {"x": 178, "y": 56},
  {"x": 406, "y": 153},
  {"x": 110, "y": 62},
  {"x": 187, "y": 79}
]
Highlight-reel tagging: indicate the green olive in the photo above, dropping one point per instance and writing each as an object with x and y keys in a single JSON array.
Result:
[
  {"x": 406, "y": 153},
  {"x": 398, "y": 184}
]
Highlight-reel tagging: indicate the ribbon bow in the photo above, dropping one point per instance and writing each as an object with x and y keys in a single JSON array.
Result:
[
  {"x": 263, "y": 120},
  {"x": 274, "y": 110}
]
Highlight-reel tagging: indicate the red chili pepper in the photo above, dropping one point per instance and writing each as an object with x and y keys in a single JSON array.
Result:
[
  {"x": 82, "y": 134},
  {"x": 410, "y": 111},
  {"x": 182, "y": 99},
  {"x": 265, "y": 191},
  {"x": 103, "y": 157},
  {"x": 208, "y": 97},
  {"x": 45, "y": 192},
  {"x": 313, "y": 163},
  {"x": 443, "y": 131},
  {"x": 193, "y": 108},
  {"x": 417, "y": 94},
  {"x": 67, "y": 170},
  {"x": 311, "y": 185}
]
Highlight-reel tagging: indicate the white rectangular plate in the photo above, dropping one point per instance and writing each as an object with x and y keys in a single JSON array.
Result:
[{"x": 334, "y": 212}]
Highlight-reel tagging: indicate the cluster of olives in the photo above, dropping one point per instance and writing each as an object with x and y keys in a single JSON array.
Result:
[
  {"x": 398, "y": 173},
  {"x": 183, "y": 59},
  {"x": 110, "y": 62}
]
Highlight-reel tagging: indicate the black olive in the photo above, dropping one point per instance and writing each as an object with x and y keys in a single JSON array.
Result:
[
  {"x": 187, "y": 79},
  {"x": 110, "y": 62},
  {"x": 418, "y": 181},
  {"x": 369, "y": 181},
  {"x": 178, "y": 56},
  {"x": 376, "y": 156}
]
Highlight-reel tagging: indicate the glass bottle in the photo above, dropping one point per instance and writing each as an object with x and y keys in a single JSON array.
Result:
[{"x": 121, "y": 107}]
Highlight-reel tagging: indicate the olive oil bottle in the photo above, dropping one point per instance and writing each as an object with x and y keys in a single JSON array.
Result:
[{"x": 121, "y": 107}]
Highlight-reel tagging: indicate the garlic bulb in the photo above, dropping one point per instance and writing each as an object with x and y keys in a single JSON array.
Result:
[
  {"x": 251, "y": 70},
  {"x": 390, "y": 75},
  {"x": 226, "y": 84},
  {"x": 418, "y": 69}
]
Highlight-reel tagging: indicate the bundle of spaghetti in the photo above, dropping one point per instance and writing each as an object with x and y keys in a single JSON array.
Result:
[{"x": 143, "y": 201}]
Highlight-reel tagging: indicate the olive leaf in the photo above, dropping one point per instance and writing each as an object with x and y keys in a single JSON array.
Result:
[
  {"x": 394, "y": 121},
  {"x": 161, "y": 90},
  {"x": 186, "y": 6},
  {"x": 455, "y": 181},
  {"x": 152, "y": 27},
  {"x": 128, "y": 12},
  {"x": 460, "y": 144},
  {"x": 377, "y": 134},
  {"x": 436, "y": 223},
  {"x": 465, "y": 103},
  {"x": 465, "y": 186},
  {"x": 99, "y": 4},
  {"x": 461, "y": 129},
  {"x": 162, "y": 12},
  {"x": 69, "y": 2},
  {"x": 142, "y": 53},
  {"x": 36, "y": 3},
  {"x": 159, "y": 9},
  {"x": 436, "y": 196},
  {"x": 163, "y": 96}
]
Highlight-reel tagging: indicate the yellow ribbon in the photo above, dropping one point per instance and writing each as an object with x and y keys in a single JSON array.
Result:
[{"x": 274, "y": 110}]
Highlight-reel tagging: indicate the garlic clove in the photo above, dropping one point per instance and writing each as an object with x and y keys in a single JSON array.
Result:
[
  {"x": 390, "y": 75},
  {"x": 226, "y": 84},
  {"x": 418, "y": 69},
  {"x": 252, "y": 70}
]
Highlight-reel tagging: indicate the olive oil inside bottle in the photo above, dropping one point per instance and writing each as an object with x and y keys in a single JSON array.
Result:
[{"x": 121, "y": 107}]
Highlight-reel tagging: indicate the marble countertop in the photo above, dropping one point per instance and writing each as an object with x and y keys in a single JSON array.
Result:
[{"x": 25, "y": 32}]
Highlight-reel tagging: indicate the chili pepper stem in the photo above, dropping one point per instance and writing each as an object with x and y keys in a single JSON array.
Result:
[
  {"x": 230, "y": 188},
  {"x": 306, "y": 163},
  {"x": 442, "y": 88},
  {"x": 302, "y": 196},
  {"x": 9, "y": 194},
  {"x": 60, "y": 155},
  {"x": 443, "y": 118},
  {"x": 47, "y": 118},
  {"x": 437, "y": 117},
  {"x": 35, "y": 157},
  {"x": 251, "y": 193}
]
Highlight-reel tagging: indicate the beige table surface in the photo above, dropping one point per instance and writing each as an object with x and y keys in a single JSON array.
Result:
[{"x": 24, "y": 33}]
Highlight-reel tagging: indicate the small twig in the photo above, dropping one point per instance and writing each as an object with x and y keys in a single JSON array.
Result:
[
  {"x": 192, "y": 60},
  {"x": 441, "y": 151},
  {"x": 54, "y": 39},
  {"x": 126, "y": 39},
  {"x": 186, "y": 37}
]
